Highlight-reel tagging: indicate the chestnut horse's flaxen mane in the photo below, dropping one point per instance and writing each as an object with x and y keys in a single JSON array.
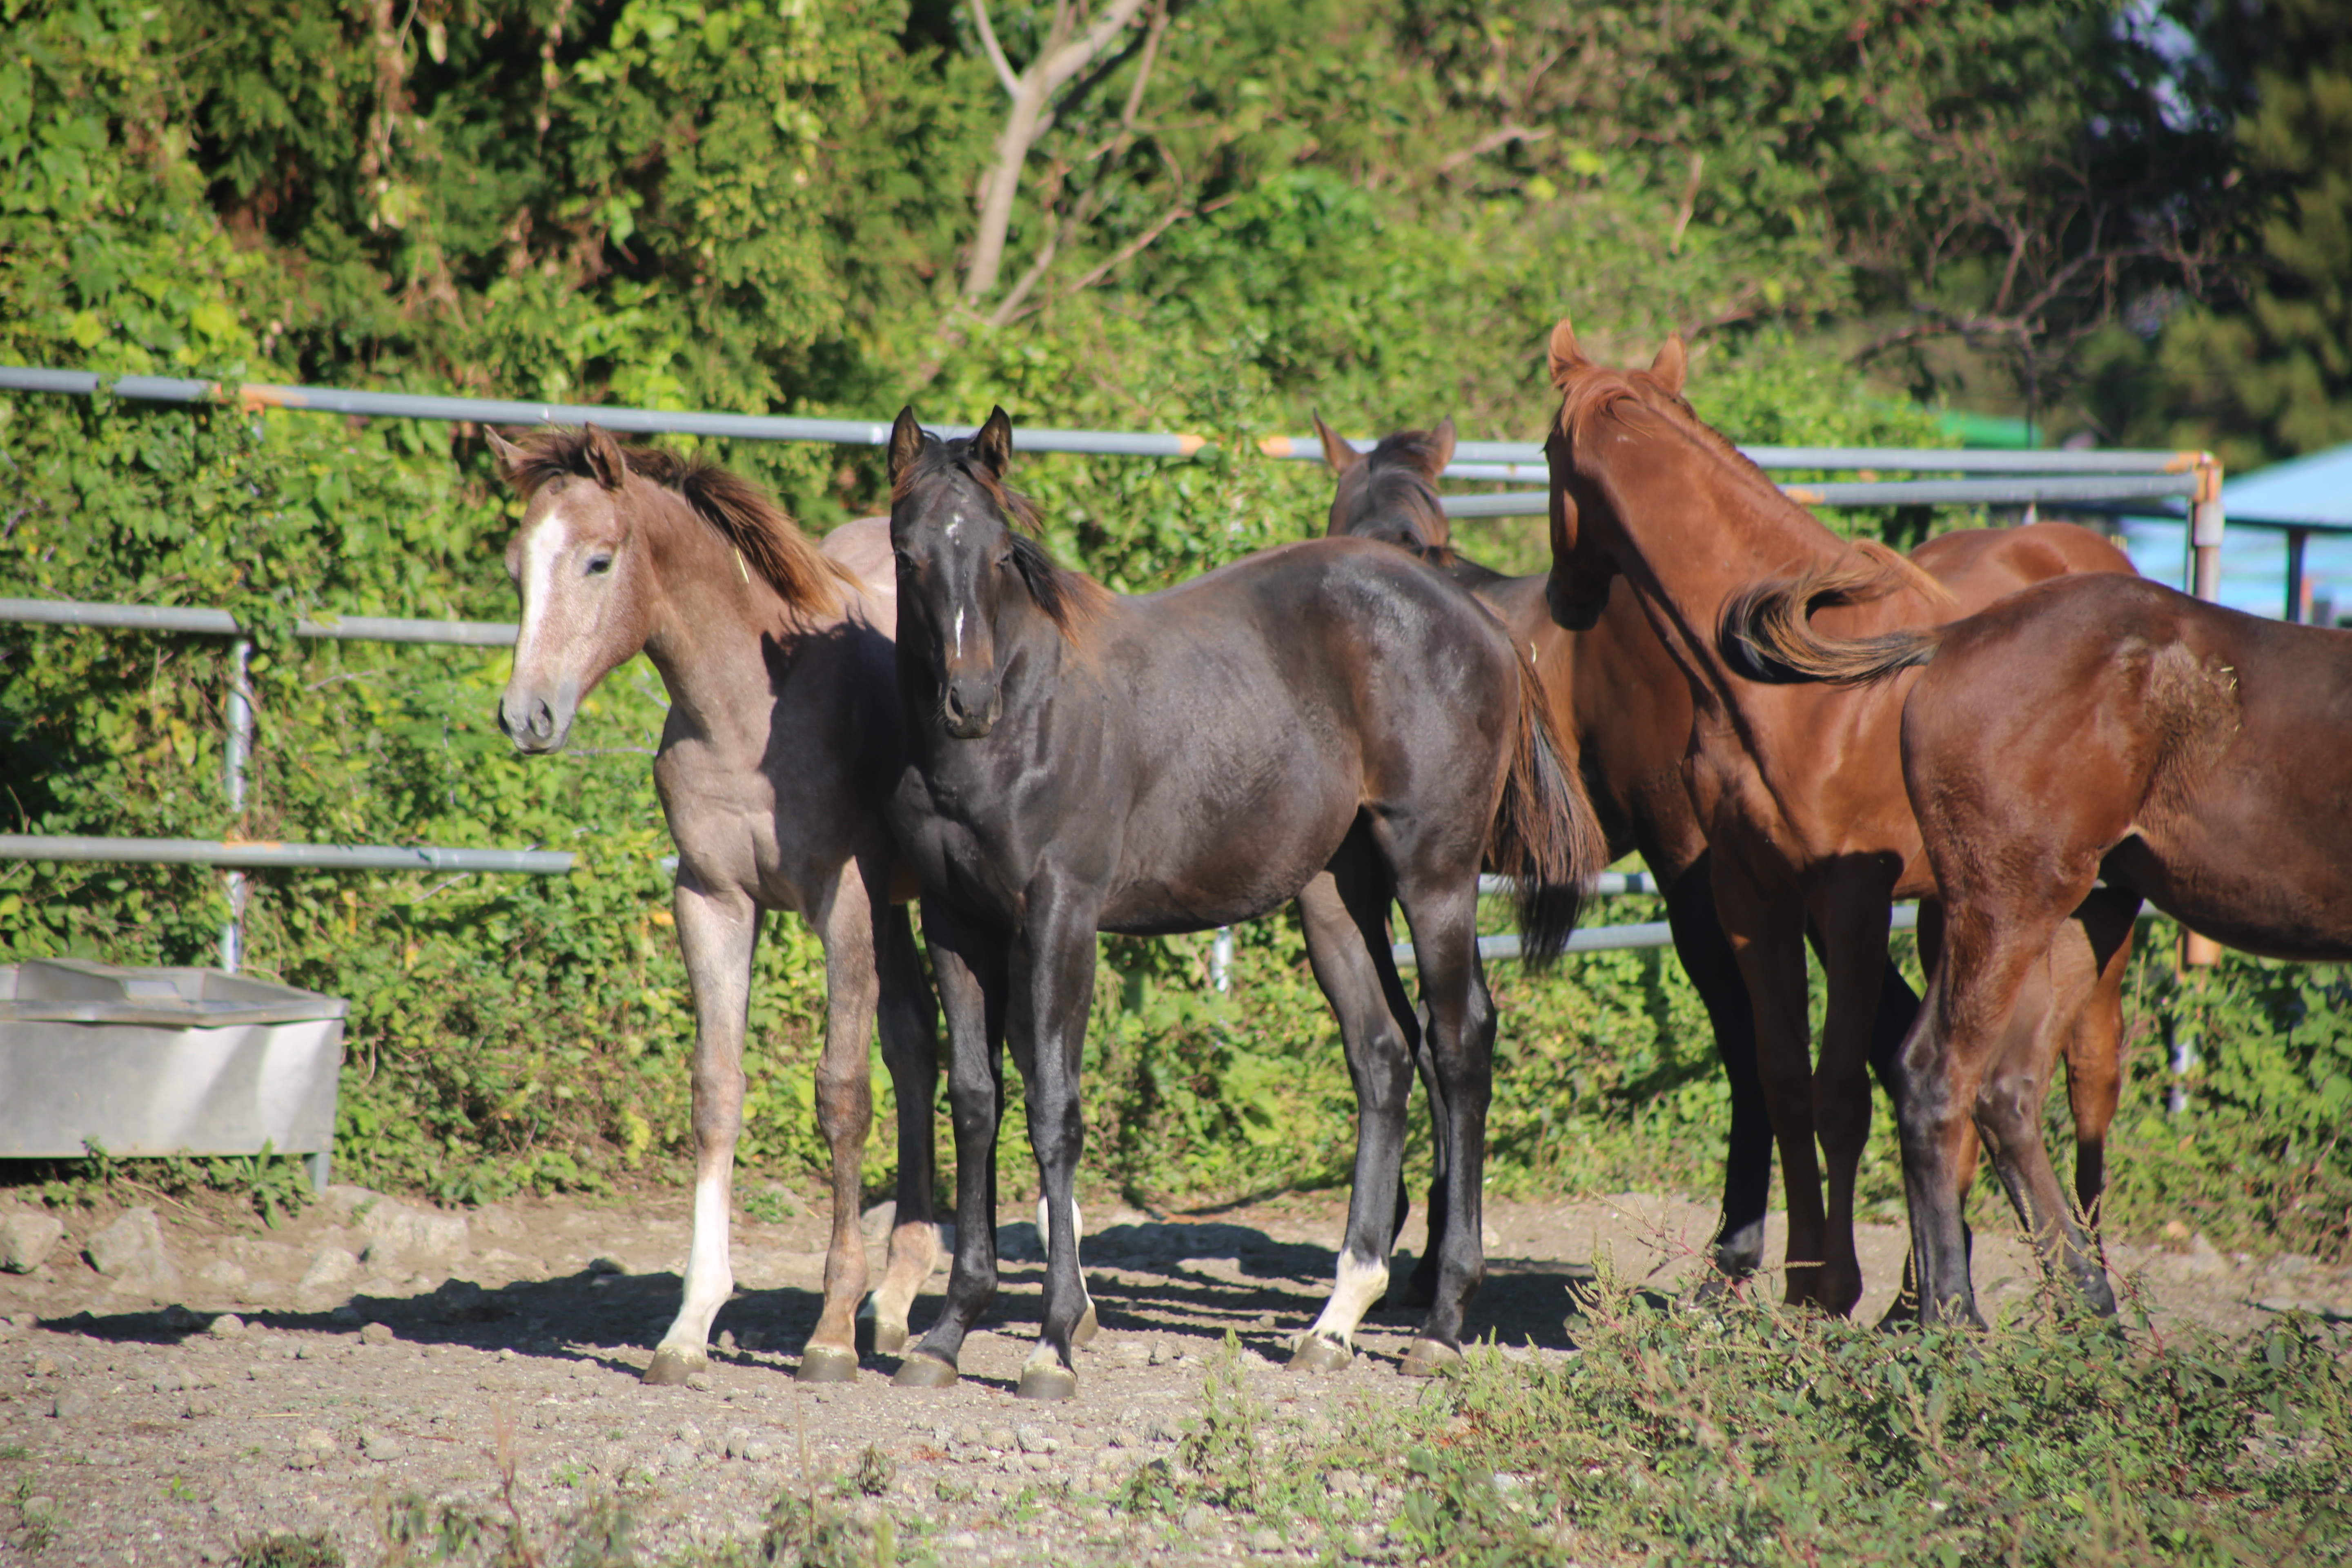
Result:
[{"x": 734, "y": 508}]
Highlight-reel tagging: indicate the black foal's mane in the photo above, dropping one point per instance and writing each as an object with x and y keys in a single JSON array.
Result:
[
  {"x": 1073, "y": 601},
  {"x": 734, "y": 508}
]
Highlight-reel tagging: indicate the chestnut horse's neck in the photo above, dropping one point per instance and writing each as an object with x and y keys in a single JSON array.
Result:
[
  {"x": 1695, "y": 524},
  {"x": 717, "y": 628}
]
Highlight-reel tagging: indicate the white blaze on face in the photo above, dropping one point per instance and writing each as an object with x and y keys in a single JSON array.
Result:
[
  {"x": 959, "y": 634},
  {"x": 542, "y": 549}
]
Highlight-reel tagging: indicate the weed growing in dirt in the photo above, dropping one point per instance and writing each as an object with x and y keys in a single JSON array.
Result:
[
  {"x": 1745, "y": 1434},
  {"x": 288, "y": 1549}
]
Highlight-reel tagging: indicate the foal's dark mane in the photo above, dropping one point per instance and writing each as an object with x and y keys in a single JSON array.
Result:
[
  {"x": 1071, "y": 600},
  {"x": 738, "y": 511},
  {"x": 1396, "y": 474}
]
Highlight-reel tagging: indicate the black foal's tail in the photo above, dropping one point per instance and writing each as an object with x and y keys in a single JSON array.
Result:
[
  {"x": 1767, "y": 632},
  {"x": 1545, "y": 838}
]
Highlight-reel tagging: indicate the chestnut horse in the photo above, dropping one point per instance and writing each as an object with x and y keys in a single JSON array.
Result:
[
  {"x": 1799, "y": 789},
  {"x": 1616, "y": 693},
  {"x": 1325, "y": 721},
  {"x": 2084, "y": 732},
  {"x": 781, "y": 741}
]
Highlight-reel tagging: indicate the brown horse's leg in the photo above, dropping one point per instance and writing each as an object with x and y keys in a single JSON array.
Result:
[
  {"x": 2008, "y": 1116},
  {"x": 1347, "y": 946},
  {"x": 844, "y": 1114},
  {"x": 1854, "y": 945},
  {"x": 1939, "y": 1160},
  {"x": 909, "y": 1020},
  {"x": 1767, "y": 938},
  {"x": 2095, "y": 1043},
  {"x": 716, "y": 932}
]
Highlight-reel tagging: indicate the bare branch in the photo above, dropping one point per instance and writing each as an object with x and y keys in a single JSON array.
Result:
[
  {"x": 996, "y": 51},
  {"x": 1502, "y": 136}
]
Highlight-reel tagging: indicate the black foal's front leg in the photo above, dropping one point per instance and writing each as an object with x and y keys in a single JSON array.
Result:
[
  {"x": 969, "y": 965},
  {"x": 1051, "y": 992}
]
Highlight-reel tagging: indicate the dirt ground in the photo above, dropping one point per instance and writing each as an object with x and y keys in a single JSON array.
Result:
[{"x": 224, "y": 1382}]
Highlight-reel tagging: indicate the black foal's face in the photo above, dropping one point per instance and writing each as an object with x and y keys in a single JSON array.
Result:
[{"x": 955, "y": 566}]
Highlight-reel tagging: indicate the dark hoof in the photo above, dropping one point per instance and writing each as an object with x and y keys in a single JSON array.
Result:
[
  {"x": 923, "y": 1369},
  {"x": 1054, "y": 1382},
  {"x": 827, "y": 1363},
  {"x": 671, "y": 1368},
  {"x": 1315, "y": 1353},
  {"x": 1429, "y": 1359},
  {"x": 889, "y": 1339},
  {"x": 1088, "y": 1327}
]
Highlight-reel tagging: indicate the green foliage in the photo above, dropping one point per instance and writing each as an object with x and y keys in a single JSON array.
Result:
[
  {"x": 1741, "y": 1435},
  {"x": 288, "y": 1549}
]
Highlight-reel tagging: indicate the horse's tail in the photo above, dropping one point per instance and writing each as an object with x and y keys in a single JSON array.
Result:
[
  {"x": 1767, "y": 633},
  {"x": 1546, "y": 836}
]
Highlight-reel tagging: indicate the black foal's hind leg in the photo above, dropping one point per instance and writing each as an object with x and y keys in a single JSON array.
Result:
[
  {"x": 1420, "y": 1288},
  {"x": 970, "y": 971},
  {"x": 1347, "y": 944},
  {"x": 1706, "y": 955}
]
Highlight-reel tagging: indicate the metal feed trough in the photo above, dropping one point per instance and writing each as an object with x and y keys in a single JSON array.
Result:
[{"x": 165, "y": 1061}]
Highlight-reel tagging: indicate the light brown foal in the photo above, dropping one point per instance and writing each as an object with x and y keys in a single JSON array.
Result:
[
  {"x": 782, "y": 742},
  {"x": 1799, "y": 789}
]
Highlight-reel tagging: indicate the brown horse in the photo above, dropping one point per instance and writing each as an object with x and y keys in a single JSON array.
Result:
[
  {"x": 1799, "y": 789},
  {"x": 782, "y": 738},
  {"x": 1617, "y": 695},
  {"x": 2087, "y": 730}
]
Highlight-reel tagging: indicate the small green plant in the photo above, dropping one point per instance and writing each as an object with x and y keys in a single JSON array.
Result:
[
  {"x": 874, "y": 1473},
  {"x": 179, "y": 1489},
  {"x": 285, "y": 1549},
  {"x": 770, "y": 1205},
  {"x": 14, "y": 1451},
  {"x": 1225, "y": 1446}
]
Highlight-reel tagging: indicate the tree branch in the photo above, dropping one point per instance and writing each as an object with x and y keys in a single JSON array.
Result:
[{"x": 996, "y": 51}]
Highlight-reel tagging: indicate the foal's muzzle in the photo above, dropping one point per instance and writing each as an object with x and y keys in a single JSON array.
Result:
[
  {"x": 969, "y": 708},
  {"x": 534, "y": 722}
]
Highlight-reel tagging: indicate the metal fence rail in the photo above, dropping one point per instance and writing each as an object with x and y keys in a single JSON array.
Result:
[
  {"x": 257, "y": 855},
  {"x": 508, "y": 411},
  {"x": 220, "y": 623},
  {"x": 2020, "y": 492}
]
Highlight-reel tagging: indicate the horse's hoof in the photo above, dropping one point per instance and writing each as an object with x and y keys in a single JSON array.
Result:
[
  {"x": 889, "y": 1339},
  {"x": 1315, "y": 1353},
  {"x": 1428, "y": 1358},
  {"x": 672, "y": 1368},
  {"x": 1049, "y": 1381},
  {"x": 827, "y": 1363},
  {"x": 923, "y": 1369},
  {"x": 1088, "y": 1327}
]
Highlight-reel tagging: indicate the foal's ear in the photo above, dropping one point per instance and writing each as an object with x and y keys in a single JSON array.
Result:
[
  {"x": 1336, "y": 451},
  {"x": 1441, "y": 449},
  {"x": 906, "y": 443},
  {"x": 1565, "y": 355},
  {"x": 509, "y": 456},
  {"x": 992, "y": 443},
  {"x": 1672, "y": 363},
  {"x": 606, "y": 458}
]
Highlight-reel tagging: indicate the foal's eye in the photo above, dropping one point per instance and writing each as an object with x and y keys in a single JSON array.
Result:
[
  {"x": 1005, "y": 560},
  {"x": 599, "y": 565}
]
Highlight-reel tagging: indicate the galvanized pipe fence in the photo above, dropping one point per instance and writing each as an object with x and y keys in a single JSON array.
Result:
[{"x": 2017, "y": 479}]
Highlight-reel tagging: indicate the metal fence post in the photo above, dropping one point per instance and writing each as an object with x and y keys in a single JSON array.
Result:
[{"x": 235, "y": 750}]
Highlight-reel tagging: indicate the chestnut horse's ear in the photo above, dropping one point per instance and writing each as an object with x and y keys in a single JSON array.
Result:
[
  {"x": 1335, "y": 450},
  {"x": 1441, "y": 449},
  {"x": 1565, "y": 355},
  {"x": 606, "y": 458},
  {"x": 509, "y": 456},
  {"x": 1671, "y": 364},
  {"x": 994, "y": 442},
  {"x": 906, "y": 443}
]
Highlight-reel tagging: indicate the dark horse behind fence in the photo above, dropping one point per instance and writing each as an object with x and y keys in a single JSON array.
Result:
[
  {"x": 1327, "y": 721},
  {"x": 2084, "y": 730},
  {"x": 1615, "y": 692}
]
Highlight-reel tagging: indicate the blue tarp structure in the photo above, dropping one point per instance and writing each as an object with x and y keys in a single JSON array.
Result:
[{"x": 2303, "y": 504}]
